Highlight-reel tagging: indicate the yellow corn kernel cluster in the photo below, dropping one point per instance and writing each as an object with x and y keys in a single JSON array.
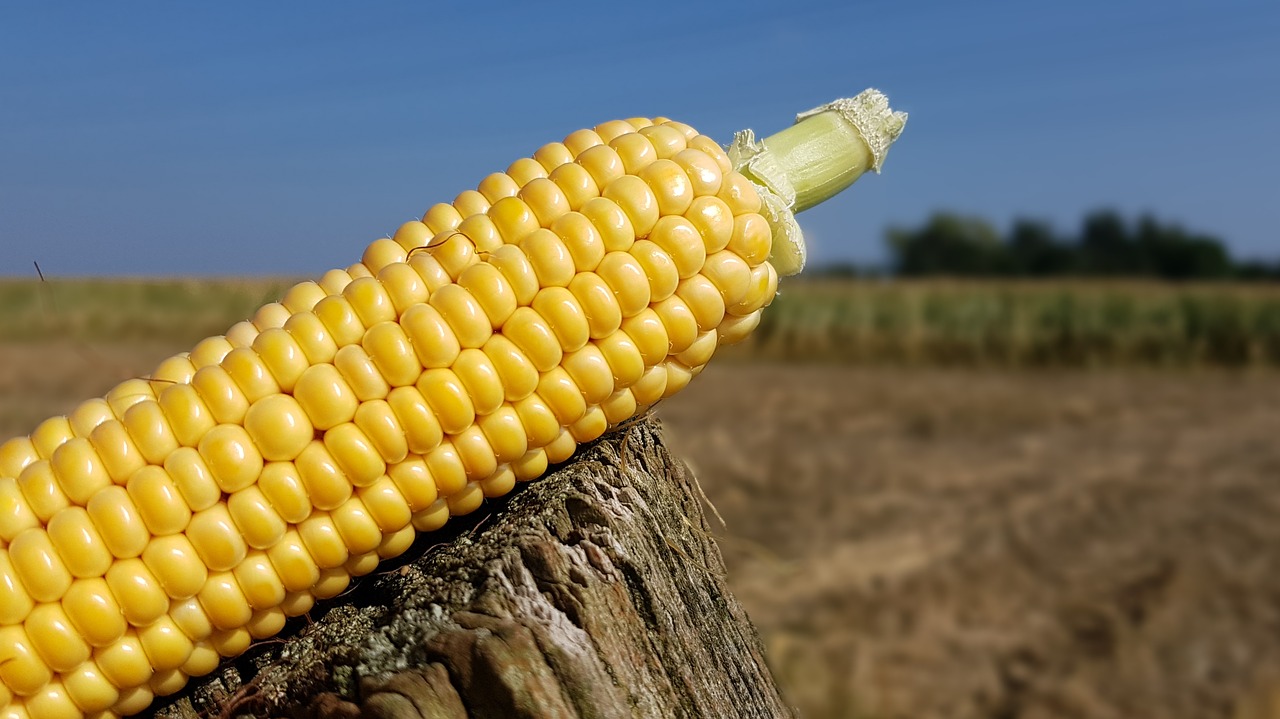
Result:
[{"x": 174, "y": 521}]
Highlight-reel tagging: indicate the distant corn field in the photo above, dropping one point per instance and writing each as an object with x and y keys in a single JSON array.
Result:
[{"x": 1017, "y": 324}]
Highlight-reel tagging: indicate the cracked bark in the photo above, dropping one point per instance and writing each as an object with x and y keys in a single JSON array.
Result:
[{"x": 594, "y": 592}]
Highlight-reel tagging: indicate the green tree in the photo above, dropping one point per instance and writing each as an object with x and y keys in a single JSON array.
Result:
[{"x": 949, "y": 244}]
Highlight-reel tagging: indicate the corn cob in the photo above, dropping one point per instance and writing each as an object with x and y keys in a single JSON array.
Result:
[{"x": 169, "y": 524}]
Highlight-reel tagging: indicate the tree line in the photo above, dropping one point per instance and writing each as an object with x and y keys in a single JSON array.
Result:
[{"x": 1107, "y": 245}]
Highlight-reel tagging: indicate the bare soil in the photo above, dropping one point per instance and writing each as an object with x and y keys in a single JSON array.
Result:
[{"x": 941, "y": 543}]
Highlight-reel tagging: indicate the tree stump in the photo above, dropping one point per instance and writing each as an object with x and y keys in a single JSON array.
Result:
[{"x": 596, "y": 591}]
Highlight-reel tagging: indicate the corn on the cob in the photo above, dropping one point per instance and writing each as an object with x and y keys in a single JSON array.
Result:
[{"x": 169, "y": 524}]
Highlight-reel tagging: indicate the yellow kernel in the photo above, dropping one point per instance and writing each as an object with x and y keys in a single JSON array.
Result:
[
  {"x": 580, "y": 140},
  {"x": 677, "y": 237},
  {"x": 680, "y": 322},
  {"x": 209, "y": 351},
  {"x": 545, "y": 200},
  {"x": 340, "y": 320},
  {"x": 385, "y": 505},
  {"x": 482, "y": 231},
  {"x": 714, "y": 222},
  {"x": 216, "y": 538},
  {"x": 312, "y": 337},
  {"x": 22, "y": 671},
  {"x": 623, "y": 357},
  {"x": 50, "y": 434},
  {"x": 637, "y": 200},
  {"x": 119, "y": 522},
  {"x": 763, "y": 288},
  {"x": 647, "y": 331},
  {"x": 635, "y": 150},
  {"x": 392, "y": 353},
  {"x": 16, "y": 454},
  {"x": 150, "y": 431},
  {"x": 354, "y": 454},
  {"x": 272, "y": 314},
  {"x": 333, "y": 281},
  {"x": 257, "y": 520},
  {"x": 730, "y": 274},
  {"x": 404, "y": 285},
  {"x": 491, "y": 289},
  {"x": 278, "y": 427},
  {"x": 713, "y": 149},
  {"x": 678, "y": 376},
  {"x": 192, "y": 619},
  {"x": 195, "y": 483},
  {"x": 550, "y": 258},
  {"x": 651, "y": 387},
  {"x": 659, "y": 268},
  {"x": 175, "y": 563},
  {"x": 80, "y": 470},
  {"x": 332, "y": 583},
  {"x": 499, "y": 483},
  {"x": 41, "y": 493},
  {"x": 739, "y": 194},
  {"x": 136, "y": 590},
  {"x": 581, "y": 238},
  {"x": 259, "y": 581},
  {"x": 220, "y": 394},
  {"x": 478, "y": 459},
  {"x": 382, "y": 252},
  {"x": 441, "y": 217},
  {"x": 89, "y": 688},
  {"x": 562, "y": 395},
  {"x": 667, "y": 141},
  {"x": 591, "y": 373},
  {"x": 612, "y": 222},
  {"x": 603, "y": 163},
  {"x": 446, "y": 468},
  {"x": 323, "y": 542},
  {"x": 626, "y": 278},
  {"x": 243, "y": 333},
  {"x": 552, "y": 155},
  {"x": 396, "y": 543},
  {"x": 704, "y": 300},
  {"x": 52, "y": 702},
  {"x": 15, "y": 513},
  {"x": 250, "y": 373},
  {"x": 204, "y": 659},
  {"x": 232, "y": 642},
  {"x": 370, "y": 301},
  {"x": 703, "y": 172},
  {"x": 86, "y": 416},
  {"x": 78, "y": 542},
  {"x": 422, "y": 430},
  {"x": 525, "y": 170},
  {"x": 454, "y": 251},
  {"x": 296, "y": 604},
  {"x": 505, "y": 434},
  {"x": 540, "y": 423},
  {"x": 735, "y": 328},
  {"x": 293, "y": 563},
  {"x": 412, "y": 234},
  {"x": 531, "y": 466},
  {"x": 496, "y": 186},
  {"x": 94, "y": 611},
  {"x": 752, "y": 239},
  {"x": 326, "y": 484},
  {"x": 302, "y": 297},
  {"x": 448, "y": 398},
  {"x": 517, "y": 377},
  {"x": 165, "y": 645},
  {"x": 619, "y": 407},
  {"x": 168, "y": 682},
  {"x": 266, "y": 623},
  {"x": 432, "y": 518},
  {"x": 414, "y": 480},
  {"x": 479, "y": 377},
  {"x": 464, "y": 314},
  {"x": 15, "y": 602},
  {"x": 177, "y": 369},
  {"x": 224, "y": 602},
  {"x": 466, "y": 501},
  {"x": 564, "y": 315},
  {"x": 700, "y": 352},
  {"x": 599, "y": 306},
  {"x": 613, "y": 128},
  {"x": 590, "y": 427},
  {"x": 120, "y": 456},
  {"x": 38, "y": 565},
  {"x": 670, "y": 186},
  {"x": 360, "y": 373},
  {"x": 282, "y": 485},
  {"x": 533, "y": 335},
  {"x": 377, "y": 421},
  {"x": 357, "y": 529},
  {"x": 561, "y": 448},
  {"x": 469, "y": 203},
  {"x": 326, "y": 398},
  {"x": 576, "y": 184},
  {"x": 518, "y": 271},
  {"x": 433, "y": 339},
  {"x": 232, "y": 457}
]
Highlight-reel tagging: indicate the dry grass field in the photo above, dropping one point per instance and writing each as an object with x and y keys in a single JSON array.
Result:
[{"x": 911, "y": 542}]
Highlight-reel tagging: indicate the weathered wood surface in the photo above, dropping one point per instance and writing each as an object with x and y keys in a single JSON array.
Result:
[{"x": 594, "y": 592}]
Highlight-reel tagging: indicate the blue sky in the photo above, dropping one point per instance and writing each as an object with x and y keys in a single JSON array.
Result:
[{"x": 279, "y": 138}]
